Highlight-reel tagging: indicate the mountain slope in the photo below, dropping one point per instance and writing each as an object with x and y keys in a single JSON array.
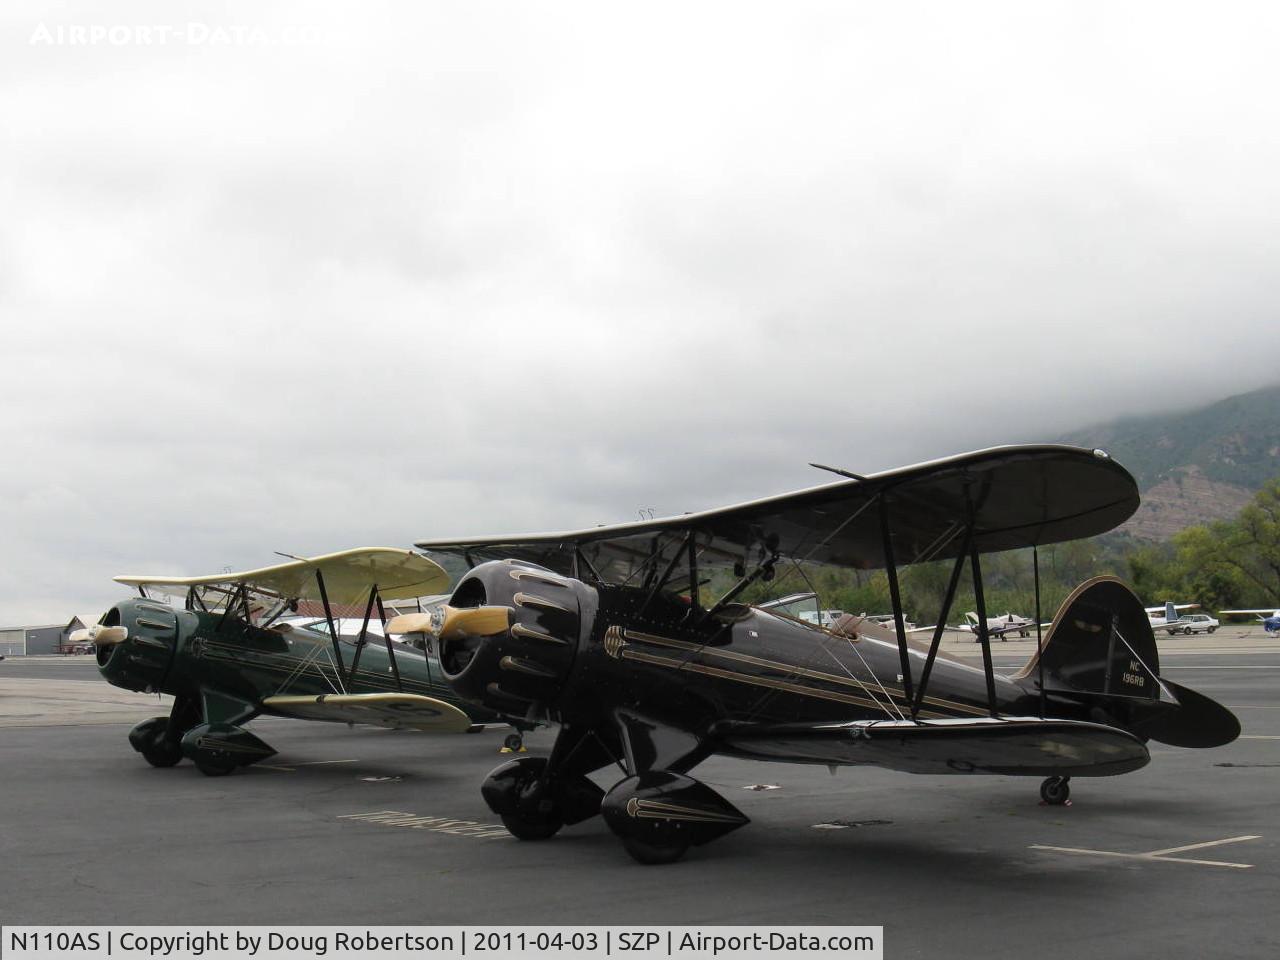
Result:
[{"x": 1197, "y": 466}]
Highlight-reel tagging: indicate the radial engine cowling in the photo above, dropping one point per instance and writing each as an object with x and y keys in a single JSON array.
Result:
[
  {"x": 152, "y": 633},
  {"x": 524, "y": 668}
]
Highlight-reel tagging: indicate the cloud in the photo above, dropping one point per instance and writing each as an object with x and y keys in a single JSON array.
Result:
[{"x": 485, "y": 267}]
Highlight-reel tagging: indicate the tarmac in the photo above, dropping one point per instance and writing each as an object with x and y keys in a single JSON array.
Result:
[{"x": 366, "y": 826}]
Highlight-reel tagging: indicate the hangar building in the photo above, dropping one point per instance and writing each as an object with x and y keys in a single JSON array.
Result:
[{"x": 42, "y": 638}]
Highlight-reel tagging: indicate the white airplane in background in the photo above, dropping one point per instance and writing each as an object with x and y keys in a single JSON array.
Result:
[
  {"x": 1170, "y": 613},
  {"x": 999, "y": 626},
  {"x": 1270, "y": 619}
]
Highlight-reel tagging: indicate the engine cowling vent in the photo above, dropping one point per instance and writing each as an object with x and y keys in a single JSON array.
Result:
[{"x": 526, "y": 665}]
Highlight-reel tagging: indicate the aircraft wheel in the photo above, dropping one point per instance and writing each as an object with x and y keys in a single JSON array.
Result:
[
  {"x": 1055, "y": 791},
  {"x": 524, "y": 813},
  {"x": 212, "y": 768},
  {"x": 513, "y": 743},
  {"x": 662, "y": 846},
  {"x": 539, "y": 827},
  {"x": 162, "y": 753}
]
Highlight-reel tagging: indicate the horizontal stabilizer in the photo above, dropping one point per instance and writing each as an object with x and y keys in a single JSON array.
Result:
[
  {"x": 400, "y": 711},
  {"x": 1013, "y": 746},
  {"x": 1196, "y": 721}
]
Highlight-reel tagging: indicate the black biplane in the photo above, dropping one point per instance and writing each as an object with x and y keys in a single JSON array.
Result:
[{"x": 608, "y": 632}]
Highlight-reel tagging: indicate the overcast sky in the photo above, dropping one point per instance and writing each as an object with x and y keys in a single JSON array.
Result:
[{"x": 301, "y": 276}]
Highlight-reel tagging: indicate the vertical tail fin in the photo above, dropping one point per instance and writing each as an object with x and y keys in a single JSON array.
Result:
[
  {"x": 1100, "y": 652},
  {"x": 1100, "y": 642}
]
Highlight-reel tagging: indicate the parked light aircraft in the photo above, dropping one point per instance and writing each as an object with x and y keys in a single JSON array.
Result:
[
  {"x": 1168, "y": 615},
  {"x": 999, "y": 626},
  {"x": 231, "y": 655},
  {"x": 609, "y": 632},
  {"x": 1269, "y": 618}
]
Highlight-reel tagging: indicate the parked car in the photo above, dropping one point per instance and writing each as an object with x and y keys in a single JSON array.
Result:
[{"x": 1192, "y": 623}]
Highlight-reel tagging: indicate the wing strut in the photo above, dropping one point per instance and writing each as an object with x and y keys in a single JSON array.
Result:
[
  {"x": 975, "y": 566},
  {"x": 361, "y": 640},
  {"x": 983, "y": 637},
  {"x": 375, "y": 598},
  {"x": 693, "y": 570},
  {"x": 950, "y": 597},
  {"x": 661, "y": 582},
  {"x": 763, "y": 569},
  {"x": 581, "y": 563},
  {"x": 895, "y": 597},
  {"x": 1035, "y": 566},
  {"x": 391, "y": 651},
  {"x": 333, "y": 631},
  {"x": 239, "y": 597}
]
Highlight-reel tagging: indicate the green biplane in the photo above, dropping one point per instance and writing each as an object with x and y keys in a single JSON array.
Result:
[{"x": 238, "y": 649}]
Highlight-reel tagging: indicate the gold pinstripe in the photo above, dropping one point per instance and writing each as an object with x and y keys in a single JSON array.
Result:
[
  {"x": 295, "y": 668},
  {"x": 796, "y": 688},
  {"x": 640, "y": 637}
]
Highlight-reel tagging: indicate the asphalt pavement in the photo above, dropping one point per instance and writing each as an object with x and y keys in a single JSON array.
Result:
[{"x": 366, "y": 826}]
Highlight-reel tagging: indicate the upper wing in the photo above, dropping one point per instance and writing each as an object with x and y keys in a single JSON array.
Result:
[
  {"x": 397, "y": 710},
  {"x": 1022, "y": 746},
  {"x": 348, "y": 575},
  {"x": 1017, "y": 497}
]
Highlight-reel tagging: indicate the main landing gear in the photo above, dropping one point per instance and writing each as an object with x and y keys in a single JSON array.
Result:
[
  {"x": 1056, "y": 791},
  {"x": 151, "y": 739},
  {"x": 215, "y": 747},
  {"x": 159, "y": 739},
  {"x": 656, "y": 811}
]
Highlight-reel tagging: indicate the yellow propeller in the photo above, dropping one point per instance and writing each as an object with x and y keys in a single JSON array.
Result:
[
  {"x": 100, "y": 636},
  {"x": 449, "y": 623}
]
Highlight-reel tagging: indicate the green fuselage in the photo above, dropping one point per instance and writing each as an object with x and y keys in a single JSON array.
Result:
[{"x": 231, "y": 666}]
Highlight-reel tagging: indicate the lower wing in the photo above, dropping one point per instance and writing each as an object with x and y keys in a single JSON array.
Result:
[
  {"x": 1016, "y": 746},
  {"x": 402, "y": 711}
]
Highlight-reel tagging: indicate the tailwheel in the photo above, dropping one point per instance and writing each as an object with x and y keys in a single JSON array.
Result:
[
  {"x": 514, "y": 743},
  {"x": 1055, "y": 791}
]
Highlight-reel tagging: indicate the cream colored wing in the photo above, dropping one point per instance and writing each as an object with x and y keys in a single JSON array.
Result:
[
  {"x": 348, "y": 575},
  {"x": 401, "y": 711}
]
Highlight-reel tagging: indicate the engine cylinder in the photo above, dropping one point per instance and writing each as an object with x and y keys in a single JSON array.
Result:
[{"x": 527, "y": 665}]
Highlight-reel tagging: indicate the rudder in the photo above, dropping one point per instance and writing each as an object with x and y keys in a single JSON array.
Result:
[
  {"x": 1100, "y": 642},
  {"x": 1100, "y": 652}
]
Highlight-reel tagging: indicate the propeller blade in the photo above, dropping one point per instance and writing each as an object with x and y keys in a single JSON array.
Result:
[
  {"x": 105, "y": 636},
  {"x": 474, "y": 621},
  {"x": 410, "y": 623},
  {"x": 453, "y": 622}
]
